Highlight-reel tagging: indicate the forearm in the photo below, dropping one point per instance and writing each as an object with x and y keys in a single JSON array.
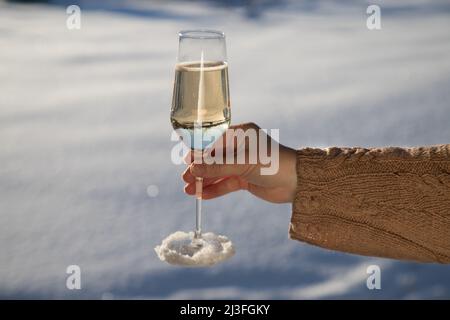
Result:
[{"x": 390, "y": 202}]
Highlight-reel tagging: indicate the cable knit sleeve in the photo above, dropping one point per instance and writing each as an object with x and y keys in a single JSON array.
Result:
[{"x": 389, "y": 202}]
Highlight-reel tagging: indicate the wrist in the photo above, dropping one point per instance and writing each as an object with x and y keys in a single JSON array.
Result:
[{"x": 290, "y": 169}]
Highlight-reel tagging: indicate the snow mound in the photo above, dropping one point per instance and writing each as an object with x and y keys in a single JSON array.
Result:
[{"x": 211, "y": 249}]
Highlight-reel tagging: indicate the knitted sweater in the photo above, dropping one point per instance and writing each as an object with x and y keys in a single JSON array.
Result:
[{"x": 389, "y": 202}]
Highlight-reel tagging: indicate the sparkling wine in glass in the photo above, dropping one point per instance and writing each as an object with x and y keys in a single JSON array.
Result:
[{"x": 200, "y": 114}]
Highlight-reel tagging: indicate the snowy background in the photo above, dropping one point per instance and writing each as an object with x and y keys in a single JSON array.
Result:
[{"x": 85, "y": 170}]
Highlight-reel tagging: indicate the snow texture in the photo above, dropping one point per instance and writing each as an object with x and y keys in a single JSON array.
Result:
[
  {"x": 86, "y": 176},
  {"x": 208, "y": 250}
]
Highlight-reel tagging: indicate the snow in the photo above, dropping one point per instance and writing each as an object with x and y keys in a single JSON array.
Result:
[
  {"x": 179, "y": 249},
  {"x": 86, "y": 176}
]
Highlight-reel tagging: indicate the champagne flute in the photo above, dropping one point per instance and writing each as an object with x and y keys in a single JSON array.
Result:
[{"x": 200, "y": 114}]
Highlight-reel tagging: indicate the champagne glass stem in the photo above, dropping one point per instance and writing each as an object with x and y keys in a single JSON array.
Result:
[{"x": 198, "y": 207}]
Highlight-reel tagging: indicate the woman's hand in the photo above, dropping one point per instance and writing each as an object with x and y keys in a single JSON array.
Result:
[{"x": 220, "y": 179}]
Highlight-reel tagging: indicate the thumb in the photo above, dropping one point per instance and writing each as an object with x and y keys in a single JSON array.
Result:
[{"x": 219, "y": 170}]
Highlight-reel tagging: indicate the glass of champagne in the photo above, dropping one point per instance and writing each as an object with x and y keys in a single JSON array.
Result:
[{"x": 200, "y": 114}]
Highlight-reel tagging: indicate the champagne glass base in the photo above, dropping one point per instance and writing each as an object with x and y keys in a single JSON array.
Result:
[{"x": 182, "y": 248}]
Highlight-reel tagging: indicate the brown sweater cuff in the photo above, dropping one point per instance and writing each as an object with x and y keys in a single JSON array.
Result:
[{"x": 390, "y": 202}]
